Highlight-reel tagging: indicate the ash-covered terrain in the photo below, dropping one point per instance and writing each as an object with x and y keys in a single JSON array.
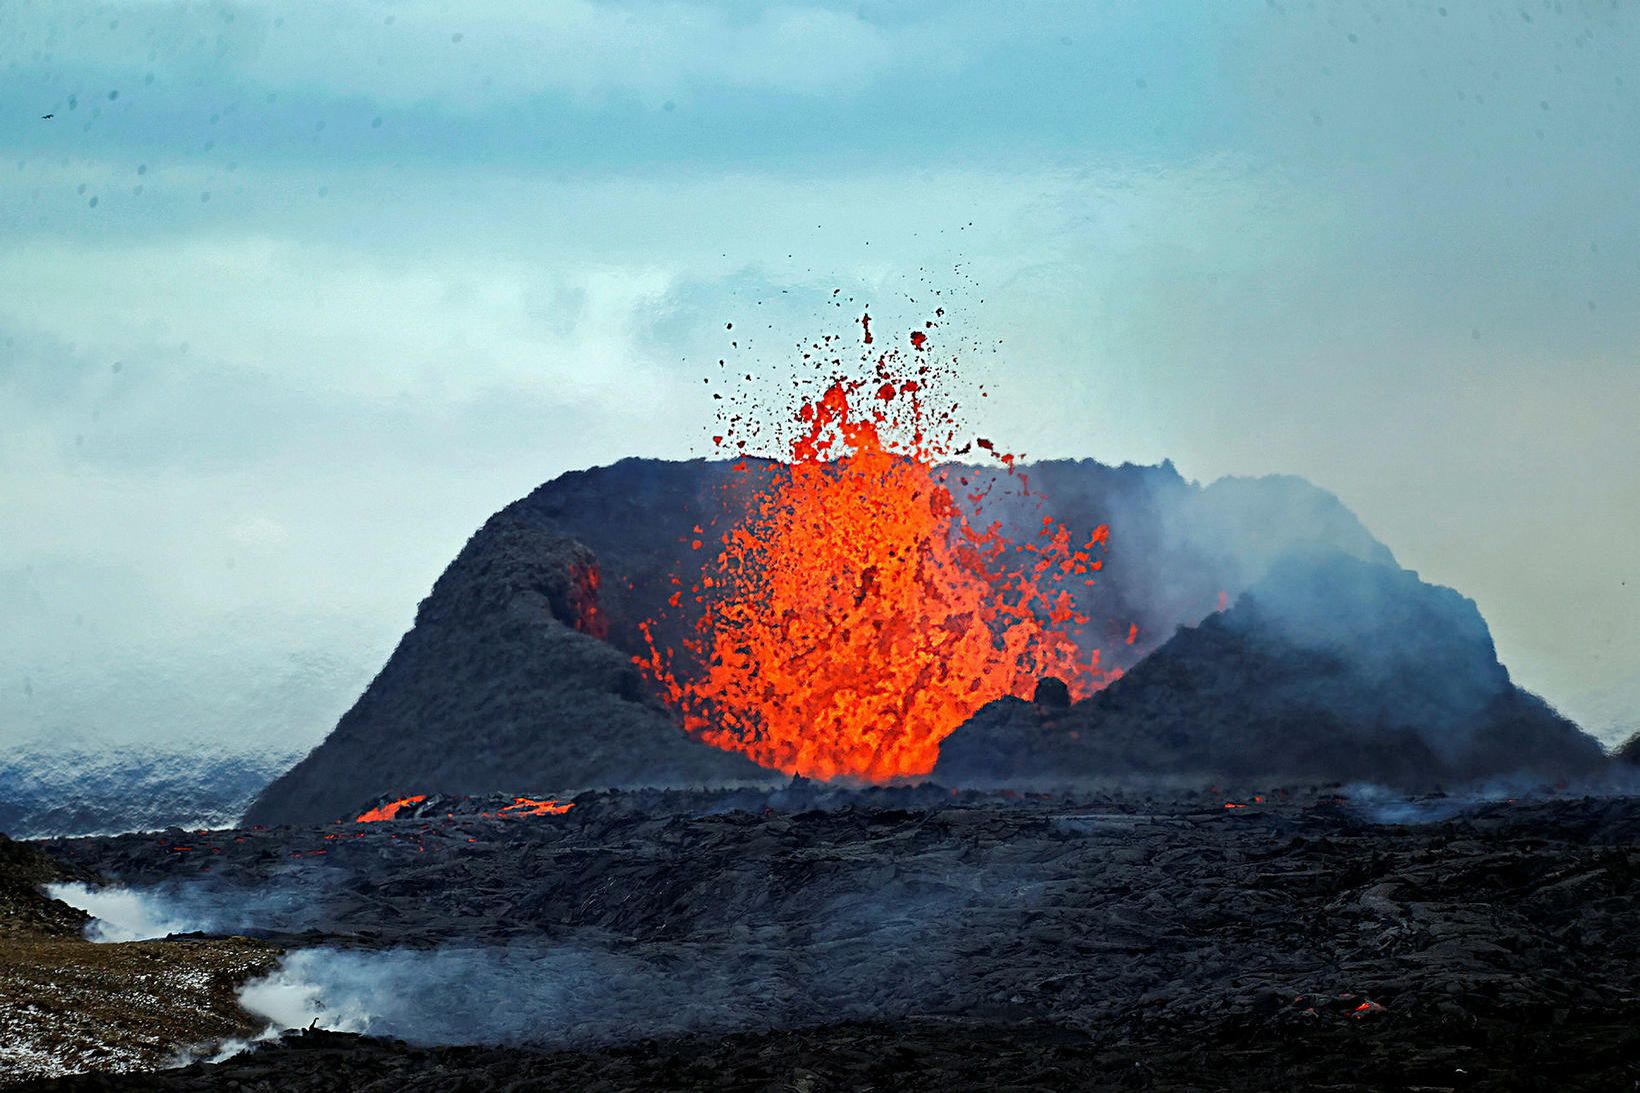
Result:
[
  {"x": 1313, "y": 836},
  {"x": 925, "y": 938}
]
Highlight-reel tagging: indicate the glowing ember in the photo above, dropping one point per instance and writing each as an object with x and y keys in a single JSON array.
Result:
[
  {"x": 524, "y": 806},
  {"x": 857, "y": 615},
  {"x": 389, "y": 810}
]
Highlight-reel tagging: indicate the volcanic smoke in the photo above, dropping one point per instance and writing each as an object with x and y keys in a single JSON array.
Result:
[{"x": 858, "y": 614}]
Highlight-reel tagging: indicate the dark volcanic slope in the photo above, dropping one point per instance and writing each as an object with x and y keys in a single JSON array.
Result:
[
  {"x": 500, "y": 685},
  {"x": 902, "y": 938},
  {"x": 1329, "y": 669},
  {"x": 503, "y": 684}
]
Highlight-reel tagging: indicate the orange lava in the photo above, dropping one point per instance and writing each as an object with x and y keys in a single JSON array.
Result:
[
  {"x": 524, "y": 806},
  {"x": 389, "y": 810},
  {"x": 857, "y": 615}
]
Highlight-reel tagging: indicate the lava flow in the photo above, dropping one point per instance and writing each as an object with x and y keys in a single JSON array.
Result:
[
  {"x": 389, "y": 810},
  {"x": 858, "y": 615},
  {"x": 526, "y": 806}
]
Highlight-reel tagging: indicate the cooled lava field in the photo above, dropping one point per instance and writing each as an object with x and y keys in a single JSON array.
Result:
[{"x": 814, "y": 937}]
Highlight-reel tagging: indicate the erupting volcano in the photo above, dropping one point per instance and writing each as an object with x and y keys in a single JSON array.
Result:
[
  {"x": 389, "y": 810},
  {"x": 860, "y": 611}
]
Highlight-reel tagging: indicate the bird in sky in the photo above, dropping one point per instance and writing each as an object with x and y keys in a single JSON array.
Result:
[{"x": 47, "y": 117}]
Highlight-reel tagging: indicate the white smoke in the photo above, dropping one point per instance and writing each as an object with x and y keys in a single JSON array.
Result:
[
  {"x": 123, "y": 914},
  {"x": 141, "y": 914},
  {"x": 298, "y": 995},
  {"x": 1384, "y": 805},
  {"x": 553, "y": 996},
  {"x": 873, "y": 951}
]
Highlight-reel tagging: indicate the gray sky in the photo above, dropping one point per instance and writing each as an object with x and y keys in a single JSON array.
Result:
[{"x": 293, "y": 295}]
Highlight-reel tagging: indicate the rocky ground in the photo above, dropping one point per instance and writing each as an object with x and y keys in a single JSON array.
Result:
[
  {"x": 69, "y": 1005},
  {"x": 1594, "y": 1053},
  {"x": 917, "y": 938}
]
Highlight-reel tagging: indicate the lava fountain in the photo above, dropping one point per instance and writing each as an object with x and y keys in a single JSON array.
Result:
[{"x": 859, "y": 613}]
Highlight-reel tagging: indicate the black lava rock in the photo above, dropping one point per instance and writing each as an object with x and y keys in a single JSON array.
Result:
[
  {"x": 1052, "y": 693},
  {"x": 503, "y": 684},
  {"x": 1330, "y": 668}
]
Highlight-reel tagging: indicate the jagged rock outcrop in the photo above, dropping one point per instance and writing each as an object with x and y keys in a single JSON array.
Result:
[
  {"x": 1328, "y": 669},
  {"x": 25, "y": 910},
  {"x": 501, "y": 685}
]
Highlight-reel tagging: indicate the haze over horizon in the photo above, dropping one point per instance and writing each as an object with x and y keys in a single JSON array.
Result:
[{"x": 294, "y": 295}]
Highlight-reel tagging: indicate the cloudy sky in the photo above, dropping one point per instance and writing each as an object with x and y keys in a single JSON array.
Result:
[{"x": 293, "y": 294}]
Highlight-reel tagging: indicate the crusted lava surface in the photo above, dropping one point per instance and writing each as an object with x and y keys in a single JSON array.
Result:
[{"x": 915, "y": 937}]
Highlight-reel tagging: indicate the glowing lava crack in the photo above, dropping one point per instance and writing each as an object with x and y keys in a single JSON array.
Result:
[{"x": 859, "y": 614}]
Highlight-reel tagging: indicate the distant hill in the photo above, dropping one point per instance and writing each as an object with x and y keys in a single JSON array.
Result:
[{"x": 110, "y": 791}]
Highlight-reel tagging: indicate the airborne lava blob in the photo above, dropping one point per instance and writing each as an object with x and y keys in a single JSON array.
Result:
[{"x": 858, "y": 614}]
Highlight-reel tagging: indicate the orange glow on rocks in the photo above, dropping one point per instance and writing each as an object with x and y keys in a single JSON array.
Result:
[
  {"x": 389, "y": 810},
  {"x": 525, "y": 806},
  {"x": 858, "y": 613}
]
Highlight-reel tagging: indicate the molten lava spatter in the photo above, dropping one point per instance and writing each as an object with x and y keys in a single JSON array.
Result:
[{"x": 857, "y": 615}]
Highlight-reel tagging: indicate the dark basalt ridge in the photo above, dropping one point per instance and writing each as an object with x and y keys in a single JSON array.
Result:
[
  {"x": 25, "y": 910},
  {"x": 1329, "y": 668}
]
